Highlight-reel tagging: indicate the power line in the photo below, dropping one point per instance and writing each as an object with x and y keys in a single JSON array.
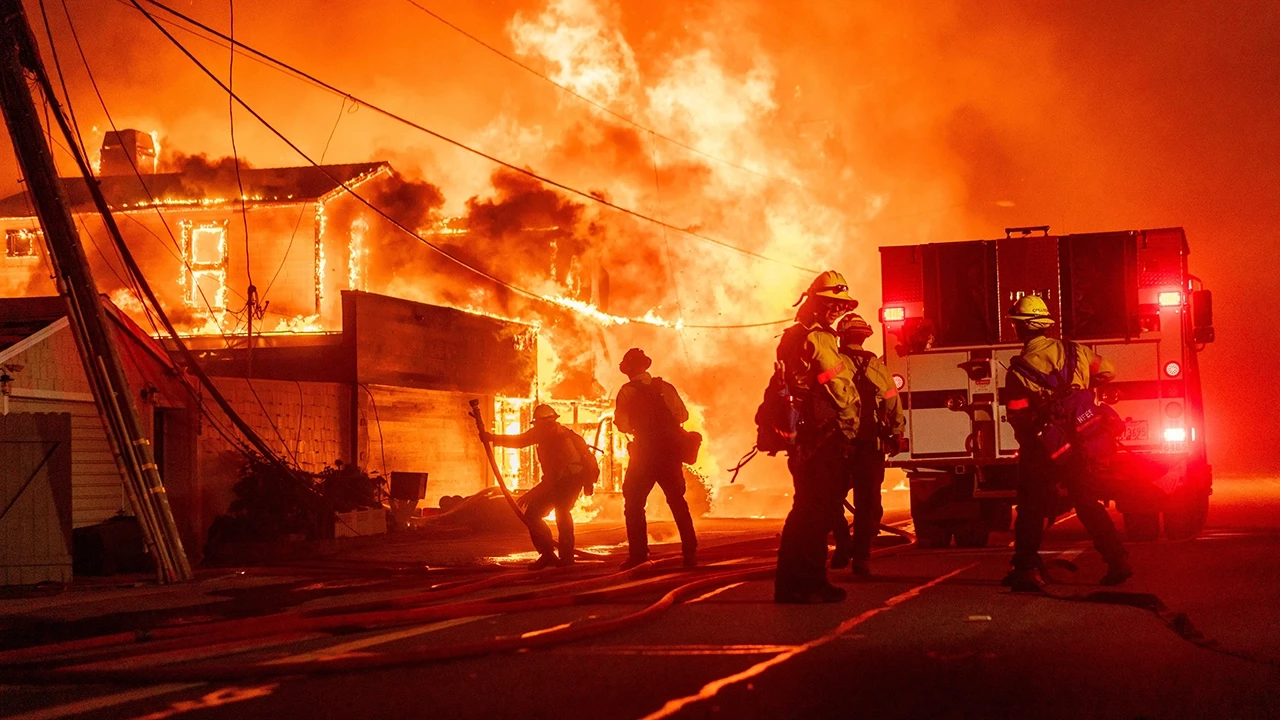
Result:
[
  {"x": 346, "y": 186},
  {"x": 417, "y": 126},
  {"x": 601, "y": 107},
  {"x": 91, "y": 182},
  {"x": 235, "y": 154},
  {"x": 302, "y": 213}
]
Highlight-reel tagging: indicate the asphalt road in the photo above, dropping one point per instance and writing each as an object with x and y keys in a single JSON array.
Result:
[{"x": 1195, "y": 634}]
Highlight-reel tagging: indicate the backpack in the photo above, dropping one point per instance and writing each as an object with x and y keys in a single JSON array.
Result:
[
  {"x": 590, "y": 468},
  {"x": 870, "y": 419},
  {"x": 1072, "y": 418},
  {"x": 778, "y": 417},
  {"x": 653, "y": 417}
]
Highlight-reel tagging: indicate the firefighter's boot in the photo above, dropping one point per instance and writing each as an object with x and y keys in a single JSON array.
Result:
[
  {"x": 861, "y": 568},
  {"x": 1117, "y": 572},
  {"x": 544, "y": 562},
  {"x": 632, "y": 562},
  {"x": 1025, "y": 581}
]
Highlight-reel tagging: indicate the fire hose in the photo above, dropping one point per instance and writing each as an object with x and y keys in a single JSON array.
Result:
[
  {"x": 493, "y": 464},
  {"x": 676, "y": 588},
  {"x": 170, "y": 638}
]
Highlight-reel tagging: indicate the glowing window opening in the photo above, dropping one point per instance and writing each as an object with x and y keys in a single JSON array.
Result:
[
  {"x": 21, "y": 243},
  {"x": 204, "y": 271}
]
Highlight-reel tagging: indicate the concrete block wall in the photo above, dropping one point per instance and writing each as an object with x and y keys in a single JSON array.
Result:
[
  {"x": 305, "y": 422},
  {"x": 309, "y": 423}
]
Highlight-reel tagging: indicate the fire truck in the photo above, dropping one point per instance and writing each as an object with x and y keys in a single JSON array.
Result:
[{"x": 948, "y": 345}]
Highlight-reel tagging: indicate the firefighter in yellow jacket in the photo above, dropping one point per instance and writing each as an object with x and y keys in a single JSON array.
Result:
[
  {"x": 821, "y": 379},
  {"x": 881, "y": 426},
  {"x": 1039, "y": 475},
  {"x": 560, "y": 486}
]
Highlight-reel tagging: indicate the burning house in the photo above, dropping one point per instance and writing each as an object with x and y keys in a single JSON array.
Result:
[
  {"x": 200, "y": 233},
  {"x": 332, "y": 372}
]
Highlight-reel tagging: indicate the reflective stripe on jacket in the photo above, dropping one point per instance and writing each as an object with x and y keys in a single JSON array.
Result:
[
  {"x": 878, "y": 387},
  {"x": 820, "y": 376}
]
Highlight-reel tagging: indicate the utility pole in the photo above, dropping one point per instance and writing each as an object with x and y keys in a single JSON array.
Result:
[{"x": 98, "y": 353}]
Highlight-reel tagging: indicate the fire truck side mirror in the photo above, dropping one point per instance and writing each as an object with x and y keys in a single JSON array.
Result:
[{"x": 1202, "y": 316}]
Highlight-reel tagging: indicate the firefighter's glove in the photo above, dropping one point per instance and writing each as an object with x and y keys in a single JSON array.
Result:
[
  {"x": 588, "y": 489},
  {"x": 486, "y": 436},
  {"x": 893, "y": 445}
]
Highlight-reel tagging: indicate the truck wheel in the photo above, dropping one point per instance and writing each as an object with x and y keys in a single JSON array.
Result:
[
  {"x": 1142, "y": 527},
  {"x": 973, "y": 534},
  {"x": 1184, "y": 518},
  {"x": 932, "y": 535}
]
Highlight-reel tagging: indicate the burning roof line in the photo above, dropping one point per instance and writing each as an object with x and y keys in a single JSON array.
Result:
[{"x": 263, "y": 187}]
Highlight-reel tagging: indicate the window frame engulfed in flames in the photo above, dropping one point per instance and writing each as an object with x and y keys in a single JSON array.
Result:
[
  {"x": 194, "y": 270},
  {"x": 30, "y": 235}
]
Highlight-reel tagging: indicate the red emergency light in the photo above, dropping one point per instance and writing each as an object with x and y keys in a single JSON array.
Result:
[
  {"x": 1170, "y": 298},
  {"x": 1175, "y": 435},
  {"x": 893, "y": 314}
]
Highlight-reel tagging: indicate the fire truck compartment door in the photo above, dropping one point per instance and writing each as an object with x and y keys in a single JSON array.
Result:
[
  {"x": 932, "y": 380},
  {"x": 1136, "y": 385}
]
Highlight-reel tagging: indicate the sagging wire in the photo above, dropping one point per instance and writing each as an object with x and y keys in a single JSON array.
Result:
[
  {"x": 193, "y": 364},
  {"x": 164, "y": 222}
]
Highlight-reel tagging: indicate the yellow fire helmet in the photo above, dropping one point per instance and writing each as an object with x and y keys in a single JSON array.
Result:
[
  {"x": 830, "y": 284},
  {"x": 855, "y": 327},
  {"x": 545, "y": 411},
  {"x": 1032, "y": 310}
]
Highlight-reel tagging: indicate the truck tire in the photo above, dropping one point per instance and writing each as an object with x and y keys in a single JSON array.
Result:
[
  {"x": 1142, "y": 526},
  {"x": 933, "y": 535},
  {"x": 1184, "y": 517},
  {"x": 972, "y": 534}
]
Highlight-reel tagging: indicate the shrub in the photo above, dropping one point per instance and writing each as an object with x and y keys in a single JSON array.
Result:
[{"x": 271, "y": 503}]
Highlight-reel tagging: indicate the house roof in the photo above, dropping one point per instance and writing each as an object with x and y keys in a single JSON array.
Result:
[
  {"x": 22, "y": 317},
  {"x": 205, "y": 185}
]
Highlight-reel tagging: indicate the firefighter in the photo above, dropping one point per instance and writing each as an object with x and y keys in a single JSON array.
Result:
[
  {"x": 881, "y": 426},
  {"x": 561, "y": 468},
  {"x": 821, "y": 381},
  {"x": 1038, "y": 474},
  {"x": 650, "y": 410}
]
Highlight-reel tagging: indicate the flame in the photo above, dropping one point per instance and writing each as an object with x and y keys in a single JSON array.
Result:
[
  {"x": 299, "y": 324},
  {"x": 583, "y": 51},
  {"x": 357, "y": 255},
  {"x": 593, "y": 313}
]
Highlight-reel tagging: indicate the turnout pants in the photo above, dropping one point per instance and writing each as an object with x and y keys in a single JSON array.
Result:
[
  {"x": 655, "y": 465},
  {"x": 1038, "y": 485},
  {"x": 865, "y": 476},
  {"x": 819, "y": 475},
  {"x": 543, "y": 498}
]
